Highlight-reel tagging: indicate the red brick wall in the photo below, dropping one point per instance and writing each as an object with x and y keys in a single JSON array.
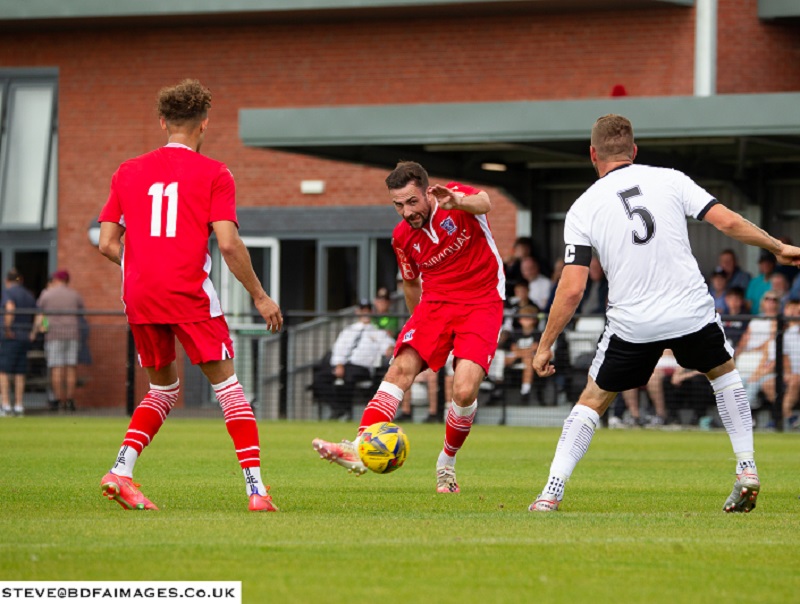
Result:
[{"x": 753, "y": 55}]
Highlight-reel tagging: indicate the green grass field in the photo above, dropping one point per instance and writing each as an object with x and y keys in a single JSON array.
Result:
[{"x": 641, "y": 522}]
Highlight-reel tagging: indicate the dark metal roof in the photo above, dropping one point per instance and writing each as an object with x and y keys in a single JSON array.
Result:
[
  {"x": 19, "y": 15},
  {"x": 721, "y": 137}
]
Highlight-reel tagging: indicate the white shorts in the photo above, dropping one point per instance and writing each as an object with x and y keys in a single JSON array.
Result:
[{"x": 61, "y": 353}]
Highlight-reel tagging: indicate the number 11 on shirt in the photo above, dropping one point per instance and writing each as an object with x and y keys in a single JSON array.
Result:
[{"x": 157, "y": 192}]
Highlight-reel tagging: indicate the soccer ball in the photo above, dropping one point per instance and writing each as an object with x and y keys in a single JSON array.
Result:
[{"x": 383, "y": 447}]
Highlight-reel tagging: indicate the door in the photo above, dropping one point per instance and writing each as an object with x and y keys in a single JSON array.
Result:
[
  {"x": 342, "y": 277},
  {"x": 246, "y": 325}
]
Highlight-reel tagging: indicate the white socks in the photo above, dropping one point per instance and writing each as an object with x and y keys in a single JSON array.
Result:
[
  {"x": 126, "y": 459},
  {"x": 252, "y": 481},
  {"x": 575, "y": 438},
  {"x": 734, "y": 411}
]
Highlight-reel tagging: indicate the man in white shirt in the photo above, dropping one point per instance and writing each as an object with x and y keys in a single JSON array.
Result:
[
  {"x": 634, "y": 217},
  {"x": 356, "y": 353},
  {"x": 538, "y": 284}
]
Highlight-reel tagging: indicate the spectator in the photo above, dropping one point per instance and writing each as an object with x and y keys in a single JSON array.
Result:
[
  {"x": 794, "y": 291},
  {"x": 519, "y": 300},
  {"x": 383, "y": 318},
  {"x": 538, "y": 284},
  {"x": 523, "y": 247},
  {"x": 61, "y": 304},
  {"x": 717, "y": 287},
  {"x": 734, "y": 324},
  {"x": 756, "y": 336},
  {"x": 356, "y": 353},
  {"x": 523, "y": 344},
  {"x": 15, "y": 342},
  {"x": 791, "y": 359},
  {"x": 780, "y": 285},
  {"x": 760, "y": 283},
  {"x": 736, "y": 276},
  {"x": 595, "y": 296},
  {"x": 763, "y": 378}
]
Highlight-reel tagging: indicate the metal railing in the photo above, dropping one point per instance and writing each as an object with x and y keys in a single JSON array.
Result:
[{"x": 277, "y": 372}]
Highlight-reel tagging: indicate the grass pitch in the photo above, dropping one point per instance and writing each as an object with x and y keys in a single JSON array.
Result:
[{"x": 641, "y": 521}]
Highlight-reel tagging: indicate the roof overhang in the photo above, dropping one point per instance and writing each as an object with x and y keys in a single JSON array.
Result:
[
  {"x": 722, "y": 136},
  {"x": 60, "y": 10},
  {"x": 778, "y": 9}
]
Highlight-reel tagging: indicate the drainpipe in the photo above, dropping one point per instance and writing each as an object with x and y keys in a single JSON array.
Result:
[{"x": 705, "y": 48}]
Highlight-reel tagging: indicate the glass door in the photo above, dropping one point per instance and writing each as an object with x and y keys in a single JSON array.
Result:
[
  {"x": 246, "y": 325},
  {"x": 236, "y": 302}
]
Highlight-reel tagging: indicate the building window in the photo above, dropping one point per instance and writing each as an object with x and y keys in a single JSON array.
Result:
[{"x": 28, "y": 150}]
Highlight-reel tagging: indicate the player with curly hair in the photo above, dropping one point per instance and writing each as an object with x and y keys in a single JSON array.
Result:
[{"x": 165, "y": 204}]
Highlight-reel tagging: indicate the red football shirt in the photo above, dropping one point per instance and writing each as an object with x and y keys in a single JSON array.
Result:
[
  {"x": 167, "y": 200},
  {"x": 455, "y": 255}
]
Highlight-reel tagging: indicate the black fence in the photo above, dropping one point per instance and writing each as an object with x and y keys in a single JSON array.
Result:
[{"x": 283, "y": 375}]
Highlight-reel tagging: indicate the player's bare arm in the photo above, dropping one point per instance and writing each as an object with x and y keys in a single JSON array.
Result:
[
  {"x": 568, "y": 296},
  {"x": 111, "y": 241},
  {"x": 237, "y": 257},
  {"x": 412, "y": 289},
  {"x": 737, "y": 227},
  {"x": 452, "y": 200}
]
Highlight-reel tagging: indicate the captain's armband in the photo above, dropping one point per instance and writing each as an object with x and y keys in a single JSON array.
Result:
[{"x": 578, "y": 254}]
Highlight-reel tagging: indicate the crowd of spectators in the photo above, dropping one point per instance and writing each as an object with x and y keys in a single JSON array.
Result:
[{"x": 747, "y": 305}]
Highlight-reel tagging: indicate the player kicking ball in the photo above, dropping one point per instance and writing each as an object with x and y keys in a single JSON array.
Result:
[
  {"x": 634, "y": 217},
  {"x": 444, "y": 240},
  {"x": 166, "y": 204}
]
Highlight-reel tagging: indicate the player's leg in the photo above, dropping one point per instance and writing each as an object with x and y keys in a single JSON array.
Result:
[
  {"x": 381, "y": 408},
  {"x": 576, "y": 436},
  {"x": 242, "y": 428},
  {"x": 155, "y": 345},
  {"x": 458, "y": 421},
  {"x": 709, "y": 352},
  {"x": 421, "y": 342},
  {"x": 208, "y": 344},
  {"x": 617, "y": 366},
  {"x": 476, "y": 333}
]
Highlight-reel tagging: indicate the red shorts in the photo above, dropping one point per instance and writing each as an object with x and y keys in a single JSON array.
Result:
[
  {"x": 471, "y": 331},
  {"x": 203, "y": 342}
]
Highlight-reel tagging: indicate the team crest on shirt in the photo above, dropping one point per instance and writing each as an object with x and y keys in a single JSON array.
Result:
[
  {"x": 416, "y": 247},
  {"x": 409, "y": 335},
  {"x": 448, "y": 225}
]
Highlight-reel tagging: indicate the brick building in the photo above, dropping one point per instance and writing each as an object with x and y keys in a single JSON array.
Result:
[{"x": 313, "y": 100}]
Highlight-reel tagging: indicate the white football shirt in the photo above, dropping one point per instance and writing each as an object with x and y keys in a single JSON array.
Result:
[{"x": 635, "y": 219}]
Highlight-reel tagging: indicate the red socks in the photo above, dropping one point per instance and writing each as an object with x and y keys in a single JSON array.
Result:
[
  {"x": 150, "y": 415},
  {"x": 382, "y": 407},
  {"x": 240, "y": 421},
  {"x": 458, "y": 423}
]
